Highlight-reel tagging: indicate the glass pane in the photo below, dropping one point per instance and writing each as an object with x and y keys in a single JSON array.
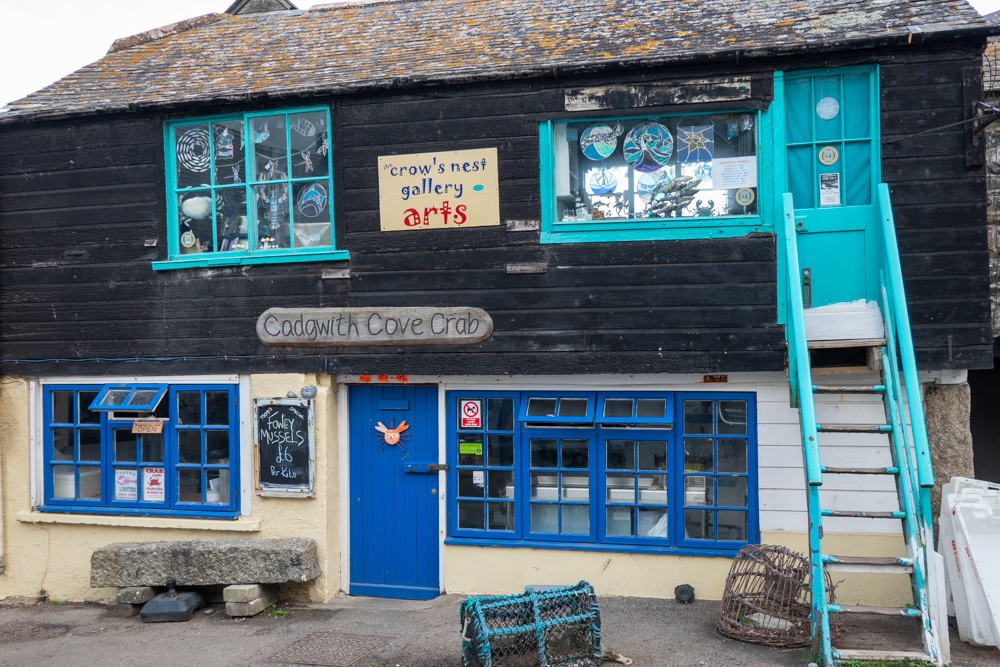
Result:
[
  {"x": 619, "y": 521},
  {"x": 312, "y": 205},
  {"x": 573, "y": 407},
  {"x": 732, "y": 491},
  {"x": 90, "y": 444},
  {"x": 501, "y": 484},
  {"x": 652, "y": 454},
  {"x": 859, "y": 177},
  {"x": 856, "y": 107},
  {"x": 733, "y": 417},
  {"x": 151, "y": 447},
  {"x": 621, "y": 454},
  {"x": 217, "y": 408},
  {"x": 732, "y": 455},
  {"x": 698, "y": 455},
  {"x": 63, "y": 482},
  {"x": 308, "y": 134},
  {"x": 90, "y": 482},
  {"x": 500, "y": 450},
  {"x": 800, "y": 176},
  {"x": 126, "y": 445},
  {"x": 618, "y": 407},
  {"x": 192, "y": 151},
  {"x": 575, "y": 453},
  {"x": 88, "y": 416},
  {"x": 272, "y": 216},
  {"x": 143, "y": 397},
  {"x": 733, "y": 525},
  {"x": 828, "y": 108},
  {"x": 576, "y": 486},
  {"x": 651, "y": 408},
  {"x": 501, "y": 516},
  {"x": 189, "y": 485},
  {"x": 544, "y": 518},
  {"x": 189, "y": 408},
  {"x": 218, "y": 486},
  {"x": 126, "y": 484},
  {"x": 217, "y": 446},
  {"x": 62, "y": 407},
  {"x": 798, "y": 110},
  {"x": 500, "y": 414},
  {"x": 652, "y": 522},
  {"x": 62, "y": 444},
  {"x": 470, "y": 449},
  {"x": 698, "y": 525},
  {"x": 471, "y": 515},
  {"x": 231, "y": 219},
  {"x": 544, "y": 486},
  {"x": 115, "y": 396},
  {"x": 620, "y": 487},
  {"x": 471, "y": 483},
  {"x": 541, "y": 407},
  {"x": 189, "y": 447},
  {"x": 269, "y": 148},
  {"x": 697, "y": 416},
  {"x": 575, "y": 519},
  {"x": 653, "y": 489},
  {"x": 194, "y": 217},
  {"x": 697, "y": 490},
  {"x": 544, "y": 453},
  {"x": 228, "y": 145}
]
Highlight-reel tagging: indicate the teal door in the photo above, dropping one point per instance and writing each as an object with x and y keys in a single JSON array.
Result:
[{"x": 831, "y": 166}]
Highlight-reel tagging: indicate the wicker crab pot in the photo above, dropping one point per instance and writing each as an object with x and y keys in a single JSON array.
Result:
[{"x": 768, "y": 599}]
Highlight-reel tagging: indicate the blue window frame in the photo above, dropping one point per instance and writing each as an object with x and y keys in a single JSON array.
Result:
[
  {"x": 250, "y": 188},
  {"x": 129, "y": 397},
  {"x": 95, "y": 463},
  {"x": 632, "y": 483}
]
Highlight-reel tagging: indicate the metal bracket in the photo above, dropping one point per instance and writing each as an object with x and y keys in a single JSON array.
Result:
[{"x": 807, "y": 288}]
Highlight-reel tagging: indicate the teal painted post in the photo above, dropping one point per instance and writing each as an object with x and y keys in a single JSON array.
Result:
[
  {"x": 779, "y": 178},
  {"x": 546, "y": 182}
]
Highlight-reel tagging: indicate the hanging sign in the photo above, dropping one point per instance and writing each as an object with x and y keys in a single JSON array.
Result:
[
  {"x": 439, "y": 190},
  {"x": 150, "y": 426},
  {"x": 153, "y": 486},
  {"x": 472, "y": 414},
  {"x": 284, "y": 438},
  {"x": 322, "y": 327}
]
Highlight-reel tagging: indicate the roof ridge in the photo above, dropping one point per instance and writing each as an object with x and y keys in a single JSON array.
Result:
[
  {"x": 123, "y": 43},
  {"x": 344, "y": 4}
]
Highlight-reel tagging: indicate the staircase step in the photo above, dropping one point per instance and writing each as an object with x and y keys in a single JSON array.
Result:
[
  {"x": 833, "y": 389},
  {"x": 864, "y": 515},
  {"x": 874, "y": 564},
  {"x": 883, "y": 611},
  {"x": 851, "y": 342},
  {"x": 892, "y": 470},
  {"x": 860, "y": 654},
  {"x": 854, "y": 428}
]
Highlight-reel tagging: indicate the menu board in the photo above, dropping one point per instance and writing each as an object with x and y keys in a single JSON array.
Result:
[{"x": 285, "y": 443}]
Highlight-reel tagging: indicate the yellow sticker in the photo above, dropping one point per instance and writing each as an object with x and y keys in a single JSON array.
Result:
[{"x": 828, "y": 155}]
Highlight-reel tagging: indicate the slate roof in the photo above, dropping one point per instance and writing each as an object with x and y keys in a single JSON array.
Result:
[{"x": 377, "y": 44}]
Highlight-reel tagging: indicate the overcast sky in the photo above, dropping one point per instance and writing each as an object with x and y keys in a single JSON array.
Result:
[{"x": 42, "y": 41}]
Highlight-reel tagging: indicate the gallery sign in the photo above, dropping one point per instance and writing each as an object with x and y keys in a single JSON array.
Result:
[
  {"x": 324, "y": 327},
  {"x": 439, "y": 190}
]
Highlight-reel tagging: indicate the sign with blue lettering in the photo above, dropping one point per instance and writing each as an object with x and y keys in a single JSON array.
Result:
[{"x": 284, "y": 438}]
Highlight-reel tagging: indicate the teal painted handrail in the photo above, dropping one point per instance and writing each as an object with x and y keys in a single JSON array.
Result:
[{"x": 899, "y": 314}]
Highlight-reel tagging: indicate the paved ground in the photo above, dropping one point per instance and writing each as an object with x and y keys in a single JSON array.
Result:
[{"x": 652, "y": 632}]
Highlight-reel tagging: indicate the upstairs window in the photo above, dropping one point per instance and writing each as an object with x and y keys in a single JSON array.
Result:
[{"x": 251, "y": 188}]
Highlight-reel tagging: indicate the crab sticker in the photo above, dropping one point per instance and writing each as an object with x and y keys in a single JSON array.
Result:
[{"x": 392, "y": 435}]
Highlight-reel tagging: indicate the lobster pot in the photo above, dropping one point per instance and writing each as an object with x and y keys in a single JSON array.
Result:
[
  {"x": 768, "y": 598},
  {"x": 561, "y": 626}
]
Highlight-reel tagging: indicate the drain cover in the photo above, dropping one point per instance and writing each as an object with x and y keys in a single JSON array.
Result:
[{"x": 330, "y": 649}]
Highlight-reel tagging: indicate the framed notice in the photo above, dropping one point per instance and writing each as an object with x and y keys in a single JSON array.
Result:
[{"x": 285, "y": 441}]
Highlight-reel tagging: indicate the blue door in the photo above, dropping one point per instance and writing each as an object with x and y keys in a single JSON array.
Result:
[{"x": 394, "y": 498}]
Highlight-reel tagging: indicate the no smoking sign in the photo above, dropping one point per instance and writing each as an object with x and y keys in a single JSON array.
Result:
[{"x": 471, "y": 414}]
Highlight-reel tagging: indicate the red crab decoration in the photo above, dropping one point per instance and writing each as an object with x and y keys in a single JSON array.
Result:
[{"x": 392, "y": 435}]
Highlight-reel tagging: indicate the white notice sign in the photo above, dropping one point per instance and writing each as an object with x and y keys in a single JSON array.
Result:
[
  {"x": 478, "y": 478},
  {"x": 829, "y": 189},
  {"x": 734, "y": 172},
  {"x": 153, "y": 488},
  {"x": 126, "y": 484}
]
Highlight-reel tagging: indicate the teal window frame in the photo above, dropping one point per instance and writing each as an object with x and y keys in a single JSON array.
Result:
[
  {"x": 176, "y": 260},
  {"x": 647, "y": 229}
]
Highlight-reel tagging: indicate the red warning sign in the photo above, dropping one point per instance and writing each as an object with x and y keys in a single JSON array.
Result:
[{"x": 472, "y": 414}]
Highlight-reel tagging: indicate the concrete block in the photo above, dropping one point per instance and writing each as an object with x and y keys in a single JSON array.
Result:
[
  {"x": 253, "y": 607},
  {"x": 136, "y": 594},
  {"x": 123, "y": 609},
  {"x": 247, "y": 592}
]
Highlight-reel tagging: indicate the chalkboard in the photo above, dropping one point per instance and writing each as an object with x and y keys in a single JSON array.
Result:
[{"x": 286, "y": 446}]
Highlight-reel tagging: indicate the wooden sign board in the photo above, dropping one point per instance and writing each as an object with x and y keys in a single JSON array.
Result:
[
  {"x": 285, "y": 441},
  {"x": 147, "y": 426},
  {"x": 324, "y": 327},
  {"x": 439, "y": 190}
]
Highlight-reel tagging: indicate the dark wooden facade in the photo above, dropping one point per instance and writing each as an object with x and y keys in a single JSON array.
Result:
[{"x": 81, "y": 200}]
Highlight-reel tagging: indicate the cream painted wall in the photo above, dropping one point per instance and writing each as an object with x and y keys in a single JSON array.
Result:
[{"x": 56, "y": 556}]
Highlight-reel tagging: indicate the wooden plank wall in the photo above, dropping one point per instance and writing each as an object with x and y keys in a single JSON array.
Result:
[{"x": 79, "y": 200}]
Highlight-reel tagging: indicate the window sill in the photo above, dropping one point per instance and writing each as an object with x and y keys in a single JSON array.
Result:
[
  {"x": 242, "y": 524},
  {"x": 598, "y": 231},
  {"x": 243, "y": 260},
  {"x": 722, "y": 551}
]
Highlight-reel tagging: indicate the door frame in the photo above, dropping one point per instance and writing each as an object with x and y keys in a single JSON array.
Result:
[{"x": 344, "y": 461}]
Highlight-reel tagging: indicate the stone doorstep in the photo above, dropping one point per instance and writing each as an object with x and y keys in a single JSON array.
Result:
[
  {"x": 123, "y": 609},
  {"x": 136, "y": 594},
  {"x": 253, "y": 607}
]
